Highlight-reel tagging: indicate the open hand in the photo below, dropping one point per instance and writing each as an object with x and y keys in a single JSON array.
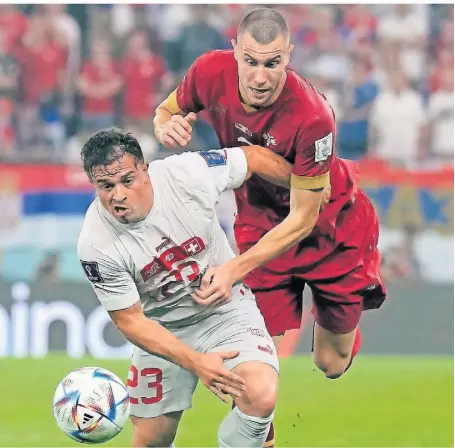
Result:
[{"x": 219, "y": 380}]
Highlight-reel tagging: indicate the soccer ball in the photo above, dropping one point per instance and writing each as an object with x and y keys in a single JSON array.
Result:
[{"x": 91, "y": 405}]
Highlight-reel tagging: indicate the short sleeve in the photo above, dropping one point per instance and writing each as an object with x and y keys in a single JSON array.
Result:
[
  {"x": 213, "y": 171},
  {"x": 113, "y": 285},
  {"x": 314, "y": 153},
  {"x": 189, "y": 95}
]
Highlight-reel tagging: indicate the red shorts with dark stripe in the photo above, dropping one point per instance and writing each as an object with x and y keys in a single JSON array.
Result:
[{"x": 343, "y": 273}]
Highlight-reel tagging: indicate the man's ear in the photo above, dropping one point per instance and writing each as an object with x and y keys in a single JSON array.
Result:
[
  {"x": 235, "y": 46},
  {"x": 288, "y": 54}
]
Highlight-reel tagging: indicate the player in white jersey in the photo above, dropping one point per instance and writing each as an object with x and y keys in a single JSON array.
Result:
[{"x": 145, "y": 243}]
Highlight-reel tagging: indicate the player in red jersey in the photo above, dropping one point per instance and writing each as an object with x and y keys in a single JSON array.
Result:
[{"x": 253, "y": 98}]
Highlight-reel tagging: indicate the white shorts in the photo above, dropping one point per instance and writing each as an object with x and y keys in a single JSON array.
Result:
[{"x": 157, "y": 386}]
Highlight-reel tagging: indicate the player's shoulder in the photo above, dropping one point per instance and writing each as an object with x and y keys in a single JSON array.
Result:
[
  {"x": 95, "y": 236},
  {"x": 186, "y": 166},
  {"x": 305, "y": 100},
  {"x": 216, "y": 61}
]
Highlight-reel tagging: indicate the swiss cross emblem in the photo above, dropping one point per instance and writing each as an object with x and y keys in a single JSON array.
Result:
[
  {"x": 192, "y": 246},
  {"x": 269, "y": 140}
]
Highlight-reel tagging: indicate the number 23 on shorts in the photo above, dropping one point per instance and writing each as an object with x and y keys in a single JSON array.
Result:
[{"x": 133, "y": 379}]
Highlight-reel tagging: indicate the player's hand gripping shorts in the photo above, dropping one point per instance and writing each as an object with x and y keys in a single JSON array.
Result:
[{"x": 157, "y": 386}]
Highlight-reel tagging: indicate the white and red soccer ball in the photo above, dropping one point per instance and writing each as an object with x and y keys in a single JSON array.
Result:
[{"x": 91, "y": 405}]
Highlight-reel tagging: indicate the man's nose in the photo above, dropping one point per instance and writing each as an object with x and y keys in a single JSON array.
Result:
[
  {"x": 118, "y": 193},
  {"x": 260, "y": 76}
]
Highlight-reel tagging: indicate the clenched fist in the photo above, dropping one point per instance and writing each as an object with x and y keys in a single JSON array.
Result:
[{"x": 176, "y": 132}]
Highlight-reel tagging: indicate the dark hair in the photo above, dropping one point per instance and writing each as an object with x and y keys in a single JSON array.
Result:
[
  {"x": 264, "y": 25},
  {"x": 109, "y": 145}
]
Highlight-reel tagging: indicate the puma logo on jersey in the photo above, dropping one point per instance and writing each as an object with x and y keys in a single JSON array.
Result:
[
  {"x": 166, "y": 260},
  {"x": 165, "y": 243}
]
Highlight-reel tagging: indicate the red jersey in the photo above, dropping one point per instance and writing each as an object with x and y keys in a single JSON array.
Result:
[
  {"x": 13, "y": 24},
  {"x": 141, "y": 84},
  {"x": 299, "y": 126},
  {"x": 98, "y": 76},
  {"x": 40, "y": 68}
]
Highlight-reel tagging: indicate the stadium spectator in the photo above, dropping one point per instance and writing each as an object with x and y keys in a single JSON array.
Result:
[
  {"x": 7, "y": 135},
  {"x": 195, "y": 39},
  {"x": 321, "y": 45},
  {"x": 400, "y": 260},
  {"x": 48, "y": 271},
  {"x": 397, "y": 121},
  {"x": 14, "y": 24},
  {"x": 146, "y": 82},
  {"x": 49, "y": 44},
  {"x": 358, "y": 24},
  {"x": 407, "y": 28},
  {"x": 9, "y": 71},
  {"x": 356, "y": 103},
  {"x": 441, "y": 118},
  {"x": 444, "y": 62},
  {"x": 98, "y": 84},
  {"x": 42, "y": 59}
]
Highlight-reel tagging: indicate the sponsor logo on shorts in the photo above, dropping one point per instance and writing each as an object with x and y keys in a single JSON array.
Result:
[
  {"x": 256, "y": 332},
  {"x": 266, "y": 349}
]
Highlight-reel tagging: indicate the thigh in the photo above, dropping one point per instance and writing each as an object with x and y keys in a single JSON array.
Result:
[
  {"x": 240, "y": 329},
  {"x": 157, "y": 386},
  {"x": 326, "y": 343}
]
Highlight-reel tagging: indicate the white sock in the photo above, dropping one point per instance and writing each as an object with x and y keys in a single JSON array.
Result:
[{"x": 241, "y": 430}]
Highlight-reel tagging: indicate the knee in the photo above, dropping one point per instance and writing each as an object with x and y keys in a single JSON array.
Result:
[
  {"x": 143, "y": 438},
  {"x": 332, "y": 364},
  {"x": 260, "y": 396}
]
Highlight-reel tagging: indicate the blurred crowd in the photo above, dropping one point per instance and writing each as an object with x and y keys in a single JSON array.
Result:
[{"x": 69, "y": 70}]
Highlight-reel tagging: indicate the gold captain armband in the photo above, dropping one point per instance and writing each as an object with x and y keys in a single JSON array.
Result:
[
  {"x": 170, "y": 103},
  {"x": 310, "y": 183}
]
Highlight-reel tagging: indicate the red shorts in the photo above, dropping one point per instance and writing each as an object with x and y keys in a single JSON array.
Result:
[{"x": 344, "y": 275}]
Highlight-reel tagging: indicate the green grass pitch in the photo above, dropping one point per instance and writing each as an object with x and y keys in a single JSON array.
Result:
[{"x": 382, "y": 401}]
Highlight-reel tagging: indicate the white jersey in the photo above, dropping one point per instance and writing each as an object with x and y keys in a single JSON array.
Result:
[{"x": 161, "y": 259}]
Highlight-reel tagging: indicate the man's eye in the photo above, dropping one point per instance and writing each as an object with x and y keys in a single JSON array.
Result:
[
  {"x": 250, "y": 62},
  {"x": 272, "y": 64},
  {"x": 128, "y": 181},
  {"x": 107, "y": 187}
]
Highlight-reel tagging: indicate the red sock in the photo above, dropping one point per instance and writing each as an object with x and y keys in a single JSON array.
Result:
[
  {"x": 355, "y": 347},
  {"x": 270, "y": 440}
]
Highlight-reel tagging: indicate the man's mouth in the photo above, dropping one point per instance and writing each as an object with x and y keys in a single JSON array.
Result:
[
  {"x": 259, "y": 91},
  {"x": 120, "y": 210}
]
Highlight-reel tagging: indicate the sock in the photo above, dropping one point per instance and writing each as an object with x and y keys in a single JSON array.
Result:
[
  {"x": 241, "y": 430},
  {"x": 355, "y": 347},
  {"x": 270, "y": 440}
]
